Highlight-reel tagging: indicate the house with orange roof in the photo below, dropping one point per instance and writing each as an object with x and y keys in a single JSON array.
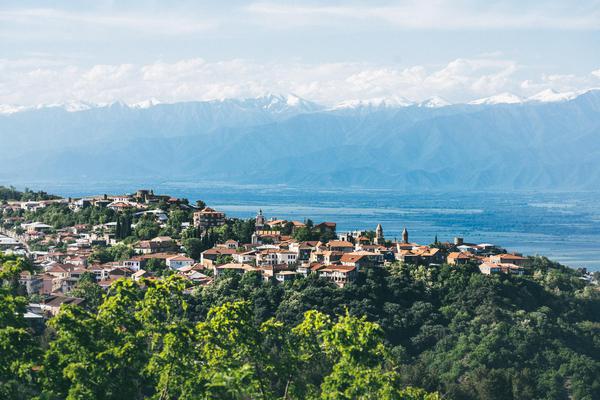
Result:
[
  {"x": 341, "y": 275},
  {"x": 340, "y": 245},
  {"x": 120, "y": 206},
  {"x": 461, "y": 258},
  {"x": 285, "y": 276},
  {"x": 210, "y": 256},
  {"x": 208, "y": 218},
  {"x": 246, "y": 257},
  {"x": 508, "y": 259},
  {"x": 241, "y": 268},
  {"x": 179, "y": 261},
  {"x": 362, "y": 259},
  {"x": 307, "y": 268},
  {"x": 229, "y": 244},
  {"x": 326, "y": 227},
  {"x": 489, "y": 268}
]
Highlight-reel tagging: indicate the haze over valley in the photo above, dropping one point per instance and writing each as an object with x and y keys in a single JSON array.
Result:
[{"x": 550, "y": 141}]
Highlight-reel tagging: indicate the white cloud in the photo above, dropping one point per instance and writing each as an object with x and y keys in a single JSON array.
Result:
[
  {"x": 559, "y": 83},
  {"x": 596, "y": 73},
  {"x": 164, "y": 24},
  {"x": 23, "y": 82},
  {"x": 437, "y": 14}
]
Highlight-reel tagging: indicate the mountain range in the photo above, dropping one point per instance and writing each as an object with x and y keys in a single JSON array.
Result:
[{"x": 550, "y": 141}]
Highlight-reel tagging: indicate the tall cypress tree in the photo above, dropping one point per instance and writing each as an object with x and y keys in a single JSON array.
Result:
[{"x": 118, "y": 230}]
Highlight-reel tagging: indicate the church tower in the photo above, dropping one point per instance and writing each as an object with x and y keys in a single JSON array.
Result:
[
  {"x": 379, "y": 239},
  {"x": 260, "y": 221},
  {"x": 405, "y": 236}
]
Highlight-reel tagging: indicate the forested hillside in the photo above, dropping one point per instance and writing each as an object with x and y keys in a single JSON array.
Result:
[
  {"x": 445, "y": 329},
  {"x": 12, "y": 194}
]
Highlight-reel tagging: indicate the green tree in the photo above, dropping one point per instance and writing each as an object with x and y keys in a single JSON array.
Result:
[
  {"x": 87, "y": 288},
  {"x": 302, "y": 234},
  {"x": 193, "y": 247},
  {"x": 97, "y": 356},
  {"x": 146, "y": 228},
  {"x": 18, "y": 350}
]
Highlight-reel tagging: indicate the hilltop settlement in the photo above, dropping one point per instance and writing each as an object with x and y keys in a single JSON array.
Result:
[
  {"x": 145, "y": 295},
  {"x": 145, "y": 235}
]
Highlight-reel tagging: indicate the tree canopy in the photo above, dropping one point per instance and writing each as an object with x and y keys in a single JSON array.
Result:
[{"x": 402, "y": 332}]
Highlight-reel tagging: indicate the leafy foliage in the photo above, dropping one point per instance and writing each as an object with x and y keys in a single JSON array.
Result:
[
  {"x": 448, "y": 330},
  {"x": 18, "y": 350},
  {"x": 60, "y": 215},
  {"x": 12, "y": 194}
]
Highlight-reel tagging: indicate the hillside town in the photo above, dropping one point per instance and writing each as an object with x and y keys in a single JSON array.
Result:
[{"x": 148, "y": 236}]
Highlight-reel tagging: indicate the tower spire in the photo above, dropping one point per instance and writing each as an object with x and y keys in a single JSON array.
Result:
[{"x": 379, "y": 239}]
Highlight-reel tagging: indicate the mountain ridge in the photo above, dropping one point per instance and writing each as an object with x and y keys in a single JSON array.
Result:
[
  {"x": 269, "y": 100},
  {"x": 527, "y": 145}
]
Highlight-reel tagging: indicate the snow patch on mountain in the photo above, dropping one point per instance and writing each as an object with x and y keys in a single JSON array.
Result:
[
  {"x": 287, "y": 105},
  {"x": 434, "y": 102},
  {"x": 383, "y": 102},
  {"x": 147, "y": 103},
  {"x": 551, "y": 96},
  {"x": 502, "y": 98},
  {"x": 8, "y": 109}
]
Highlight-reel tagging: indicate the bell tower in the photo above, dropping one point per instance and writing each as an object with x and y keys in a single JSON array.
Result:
[
  {"x": 260, "y": 221},
  {"x": 379, "y": 239}
]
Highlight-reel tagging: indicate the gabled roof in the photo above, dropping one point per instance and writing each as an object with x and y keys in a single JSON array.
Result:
[
  {"x": 139, "y": 273},
  {"x": 245, "y": 267},
  {"x": 316, "y": 266},
  {"x": 339, "y": 243},
  {"x": 460, "y": 255},
  {"x": 57, "y": 268},
  {"x": 277, "y": 222},
  {"x": 193, "y": 267},
  {"x": 220, "y": 250},
  {"x": 338, "y": 268},
  {"x": 57, "y": 301},
  {"x": 162, "y": 239},
  {"x": 180, "y": 258},
  {"x": 351, "y": 257},
  {"x": 509, "y": 257},
  {"x": 160, "y": 256}
]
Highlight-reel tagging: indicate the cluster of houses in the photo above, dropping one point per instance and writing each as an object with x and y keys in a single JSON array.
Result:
[{"x": 272, "y": 252}]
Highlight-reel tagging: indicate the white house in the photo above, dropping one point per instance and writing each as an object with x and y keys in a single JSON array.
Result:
[
  {"x": 179, "y": 261},
  {"x": 248, "y": 257},
  {"x": 133, "y": 264}
]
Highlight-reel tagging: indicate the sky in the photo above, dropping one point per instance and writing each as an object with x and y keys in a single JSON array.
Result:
[{"x": 325, "y": 51}]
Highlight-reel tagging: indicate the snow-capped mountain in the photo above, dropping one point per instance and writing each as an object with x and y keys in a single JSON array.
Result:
[
  {"x": 287, "y": 105},
  {"x": 279, "y": 104},
  {"x": 434, "y": 102},
  {"x": 273, "y": 103},
  {"x": 502, "y": 98},
  {"x": 383, "y": 102},
  {"x": 550, "y": 96},
  {"x": 11, "y": 109},
  {"x": 147, "y": 103},
  {"x": 534, "y": 144}
]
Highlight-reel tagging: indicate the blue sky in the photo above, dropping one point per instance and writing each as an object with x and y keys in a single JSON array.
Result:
[{"x": 327, "y": 51}]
